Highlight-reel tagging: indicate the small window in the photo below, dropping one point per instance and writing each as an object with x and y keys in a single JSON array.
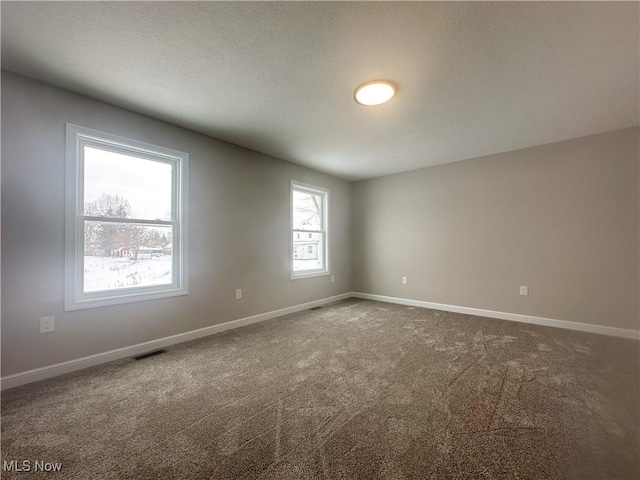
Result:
[
  {"x": 125, "y": 220},
  {"x": 309, "y": 220}
]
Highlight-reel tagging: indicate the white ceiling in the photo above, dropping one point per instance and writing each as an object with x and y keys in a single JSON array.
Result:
[{"x": 474, "y": 78}]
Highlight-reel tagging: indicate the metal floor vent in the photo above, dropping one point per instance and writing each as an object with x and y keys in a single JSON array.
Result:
[
  {"x": 315, "y": 308},
  {"x": 149, "y": 354}
]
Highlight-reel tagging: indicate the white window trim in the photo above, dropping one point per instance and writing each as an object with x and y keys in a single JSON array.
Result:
[
  {"x": 295, "y": 185},
  {"x": 75, "y": 298}
]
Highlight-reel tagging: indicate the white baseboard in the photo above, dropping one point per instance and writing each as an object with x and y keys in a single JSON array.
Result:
[
  {"x": 516, "y": 317},
  {"x": 36, "y": 374}
]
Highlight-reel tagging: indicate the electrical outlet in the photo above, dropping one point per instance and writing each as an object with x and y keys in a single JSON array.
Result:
[
  {"x": 46, "y": 324},
  {"x": 524, "y": 290},
  {"x": 405, "y": 280},
  {"x": 333, "y": 278},
  {"x": 238, "y": 293}
]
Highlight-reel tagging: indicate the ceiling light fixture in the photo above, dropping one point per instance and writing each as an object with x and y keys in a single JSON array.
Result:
[{"x": 375, "y": 92}]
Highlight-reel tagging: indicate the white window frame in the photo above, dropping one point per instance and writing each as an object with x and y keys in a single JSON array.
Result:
[
  {"x": 324, "y": 193},
  {"x": 75, "y": 297}
]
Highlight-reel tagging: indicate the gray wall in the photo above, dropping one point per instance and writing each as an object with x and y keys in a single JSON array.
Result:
[
  {"x": 238, "y": 231},
  {"x": 561, "y": 218}
]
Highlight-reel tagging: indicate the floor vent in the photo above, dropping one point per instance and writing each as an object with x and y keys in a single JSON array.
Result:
[
  {"x": 149, "y": 354},
  {"x": 315, "y": 308}
]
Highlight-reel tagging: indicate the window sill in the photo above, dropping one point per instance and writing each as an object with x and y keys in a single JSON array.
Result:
[
  {"x": 120, "y": 299},
  {"x": 299, "y": 276}
]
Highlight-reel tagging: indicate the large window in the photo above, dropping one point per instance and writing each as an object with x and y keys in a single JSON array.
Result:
[
  {"x": 310, "y": 240},
  {"x": 125, "y": 220}
]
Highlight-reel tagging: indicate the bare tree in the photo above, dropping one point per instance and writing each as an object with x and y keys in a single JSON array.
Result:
[
  {"x": 91, "y": 230},
  {"x": 134, "y": 237},
  {"x": 105, "y": 236},
  {"x": 112, "y": 206},
  {"x": 308, "y": 208}
]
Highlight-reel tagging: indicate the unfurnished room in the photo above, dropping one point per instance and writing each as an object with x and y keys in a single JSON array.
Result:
[{"x": 320, "y": 240}]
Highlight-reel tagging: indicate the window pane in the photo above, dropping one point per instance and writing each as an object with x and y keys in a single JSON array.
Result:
[
  {"x": 125, "y": 255},
  {"x": 118, "y": 185},
  {"x": 307, "y": 211},
  {"x": 308, "y": 251}
]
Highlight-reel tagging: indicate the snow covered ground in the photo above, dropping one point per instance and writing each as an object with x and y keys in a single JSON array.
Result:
[
  {"x": 106, "y": 273},
  {"x": 311, "y": 264}
]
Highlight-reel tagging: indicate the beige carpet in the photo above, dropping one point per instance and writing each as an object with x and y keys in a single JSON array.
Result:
[{"x": 358, "y": 389}]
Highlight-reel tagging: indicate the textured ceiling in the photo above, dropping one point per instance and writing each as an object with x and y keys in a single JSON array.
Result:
[{"x": 474, "y": 78}]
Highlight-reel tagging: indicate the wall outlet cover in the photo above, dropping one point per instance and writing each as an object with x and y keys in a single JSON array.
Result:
[{"x": 47, "y": 324}]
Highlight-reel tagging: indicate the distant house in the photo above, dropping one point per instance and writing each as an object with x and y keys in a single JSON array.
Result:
[
  {"x": 149, "y": 252},
  {"x": 122, "y": 252},
  {"x": 305, "y": 248},
  {"x": 143, "y": 252}
]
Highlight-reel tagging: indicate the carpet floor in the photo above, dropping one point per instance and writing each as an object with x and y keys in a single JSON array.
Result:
[{"x": 357, "y": 389}]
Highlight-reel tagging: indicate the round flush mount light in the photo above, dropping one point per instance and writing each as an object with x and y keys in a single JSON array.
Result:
[{"x": 375, "y": 92}]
